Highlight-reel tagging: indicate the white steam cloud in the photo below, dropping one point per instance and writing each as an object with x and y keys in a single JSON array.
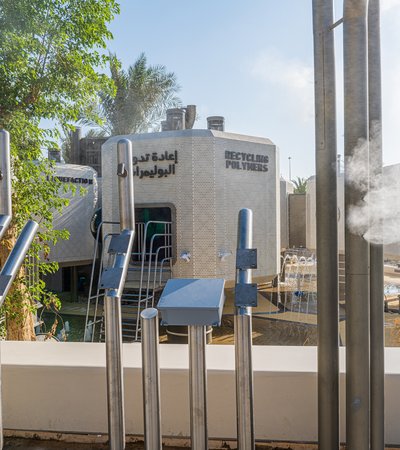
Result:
[{"x": 377, "y": 216}]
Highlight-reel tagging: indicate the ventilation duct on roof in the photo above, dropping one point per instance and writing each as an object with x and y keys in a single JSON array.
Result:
[{"x": 216, "y": 123}]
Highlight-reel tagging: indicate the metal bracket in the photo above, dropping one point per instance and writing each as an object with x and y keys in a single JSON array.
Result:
[
  {"x": 119, "y": 243},
  {"x": 4, "y": 282},
  {"x": 246, "y": 258},
  {"x": 246, "y": 294},
  {"x": 121, "y": 170},
  {"x": 111, "y": 278},
  {"x": 336, "y": 24}
]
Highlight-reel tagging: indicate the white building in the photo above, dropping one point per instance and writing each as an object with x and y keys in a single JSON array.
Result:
[{"x": 204, "y": 177}]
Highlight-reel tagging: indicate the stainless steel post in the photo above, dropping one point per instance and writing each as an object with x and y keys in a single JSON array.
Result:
[
  {"x": 198, "y": 387},
  {"x": 243, "y": 345},
  {"x": 5, "y": 182},
  {"x": 112, "y": 301},
  {"x": 125, "y": 185},
  {"x": 376, "y": 251},
  {"x": 357, "y": 249},
  {"x": 326, "y": 213},
  {"x": 115, "y": 380},
  {"x": 151, "y": 380}
]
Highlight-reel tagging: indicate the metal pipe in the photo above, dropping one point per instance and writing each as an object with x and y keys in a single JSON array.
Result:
[
  {"x": 151, "y": 380},
  {"x": 112, "y": 301},
  {"x": 326, "y": 213},
  {"x": 125, "y": 185},
  {"x": 243, "y": 345},
  {"x": 357, "y": 249},
  {"x": 17, "y": 256},
  {"x": 377, "y": 372},
  {"x": 5, "y": 182},
  {"x": 115, "y": 381},
  {"x": 198, "y": 387}
]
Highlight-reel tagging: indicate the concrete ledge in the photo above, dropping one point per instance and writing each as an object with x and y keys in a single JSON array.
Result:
[{"x": 61, "y": 387}]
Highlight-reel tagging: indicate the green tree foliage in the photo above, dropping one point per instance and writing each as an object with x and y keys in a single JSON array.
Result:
[
  {"x": 142, "y": 95},
  {"x": 50, "y": 51},
  {"x": 300, "y": 185}
]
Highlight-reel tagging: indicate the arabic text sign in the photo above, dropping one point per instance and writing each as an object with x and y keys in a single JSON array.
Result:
[{"x": 157, "y": 171}]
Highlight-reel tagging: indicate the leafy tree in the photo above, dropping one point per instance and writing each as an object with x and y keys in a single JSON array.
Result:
[
  {"x": 142, "y": 95},
  {"x": 300, "y": 185},
  {"x": 49, "y": 54}
]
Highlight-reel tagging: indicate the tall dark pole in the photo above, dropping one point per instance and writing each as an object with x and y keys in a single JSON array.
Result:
[
  {"x": 356, "y": 135},
  {"x": 376, "y": 250},
  {"x": 327, "y": 240}
]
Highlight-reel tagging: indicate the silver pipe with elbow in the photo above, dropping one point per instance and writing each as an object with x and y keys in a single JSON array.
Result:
[
  {"x": 356, "y": 135},
  {"x": 112, "y": 299}
]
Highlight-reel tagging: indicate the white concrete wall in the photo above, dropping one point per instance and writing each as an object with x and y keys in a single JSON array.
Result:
[
  {"x": 62, "y": 387},
  {"x": 207, "y": 195}
]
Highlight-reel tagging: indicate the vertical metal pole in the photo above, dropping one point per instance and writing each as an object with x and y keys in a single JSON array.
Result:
[
  {"x": 112, "y": 303},
  {"x": 357, "y": 249},
  {"x": 198, "y": 387},
  {"x": 125, "y": 185},
  {"x": 376, "y": 251},
  {"x": 115, "y": 380},
  {"x": 243, "y": 346},
  {"x": 5, "y": 182},
  {"x": 151, "y": 380},
  {"x": 326, "y": 212}
]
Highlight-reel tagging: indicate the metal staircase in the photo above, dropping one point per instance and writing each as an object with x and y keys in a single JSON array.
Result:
[{"x": 150, "y": 266}]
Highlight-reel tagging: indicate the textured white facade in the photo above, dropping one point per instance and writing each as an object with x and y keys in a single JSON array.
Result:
[
  {"x": 208, "y": 176},
  {"x": 78, "y": 249}
]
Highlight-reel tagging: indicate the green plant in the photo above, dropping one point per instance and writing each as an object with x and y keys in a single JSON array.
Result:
[{"x": 49, "y": 59}]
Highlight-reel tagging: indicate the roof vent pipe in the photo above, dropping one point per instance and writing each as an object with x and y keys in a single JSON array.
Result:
[
  {"x": 216, "y": 123},
  {"x": 190, "y": 116},
  {"x": 176, "y": 119}
]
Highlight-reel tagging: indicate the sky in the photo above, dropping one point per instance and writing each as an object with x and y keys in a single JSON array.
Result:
[{"x": 252, "y": 62}]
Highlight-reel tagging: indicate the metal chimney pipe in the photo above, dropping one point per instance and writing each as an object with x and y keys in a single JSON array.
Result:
[
  {"x": 5, "y": 182},
  {"x": 326, "y": 213},
  {"x": 357, "y": 249},
  {"x": 377, "y": 372}
]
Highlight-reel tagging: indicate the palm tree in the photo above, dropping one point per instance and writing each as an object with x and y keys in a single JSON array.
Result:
[
  {"x": 142, "y": 95},
  {"x": 300, "y": 185}
]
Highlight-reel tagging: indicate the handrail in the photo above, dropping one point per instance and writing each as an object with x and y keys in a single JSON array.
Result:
[
  {"x": 16, "y": 258},
  {"x": 5, "y": 183}
]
